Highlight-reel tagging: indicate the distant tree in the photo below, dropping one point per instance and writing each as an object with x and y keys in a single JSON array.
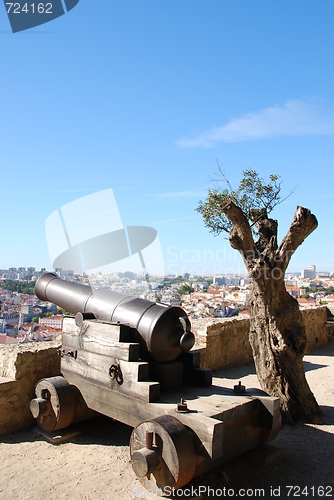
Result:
[
  {"x": 185, "y": 289},
  {"x": 277, "y": 333},
  {"x": 35, "y": 319},
  {"x": 49, "y": 313},
  {"x": 19, "y": 286}
]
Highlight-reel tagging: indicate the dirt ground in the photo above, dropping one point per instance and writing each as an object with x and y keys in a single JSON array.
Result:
[{"x": 96, "y": 465}]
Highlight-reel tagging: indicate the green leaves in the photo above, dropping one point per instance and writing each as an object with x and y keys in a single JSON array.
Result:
[
  {"x": 252, "y": 194},
  {"x": 18, "y": 286},
  {"x": 185, "y": 289}
]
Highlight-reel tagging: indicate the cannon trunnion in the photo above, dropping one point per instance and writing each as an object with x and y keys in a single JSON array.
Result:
[{"x": 183, "y": 425}]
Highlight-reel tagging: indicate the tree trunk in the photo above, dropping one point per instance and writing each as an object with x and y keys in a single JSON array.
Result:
[
  {"x": 278, "y": 340},
  {"x": 277, "y": 333}
]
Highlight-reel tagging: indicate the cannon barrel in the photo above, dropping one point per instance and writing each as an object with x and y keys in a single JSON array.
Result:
[{"x": 165, "y": 329}]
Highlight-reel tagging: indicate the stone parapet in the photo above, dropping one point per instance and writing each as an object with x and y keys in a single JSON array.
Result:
[
  {"x": 315, "y": 321},
  {"x": 227, "y": 340},
  {"x": 21, "y": 366},
  {"x": 226, "y": 343}
]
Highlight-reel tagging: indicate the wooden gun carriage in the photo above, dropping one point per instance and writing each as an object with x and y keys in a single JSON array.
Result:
[{"x": 131, "y": 359}]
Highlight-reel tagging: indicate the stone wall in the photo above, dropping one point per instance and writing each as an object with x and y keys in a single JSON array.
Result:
[
  {"x": 317, "y": 330},
  {"x": 227, "y": 340},
  {"x": 226, "y": 343},
  {"x": 21, "y": 366}
]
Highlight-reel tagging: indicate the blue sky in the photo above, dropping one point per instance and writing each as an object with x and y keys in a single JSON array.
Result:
[{"x": 145, "y": 97}]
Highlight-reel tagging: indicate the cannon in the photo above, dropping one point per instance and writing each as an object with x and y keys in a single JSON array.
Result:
[
  {"x": 132, "y": 360},
  {"x": 162, "y": 331}
]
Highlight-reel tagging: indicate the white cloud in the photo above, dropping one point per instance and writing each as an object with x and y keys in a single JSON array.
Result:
[{"x": 295, "y": 117}]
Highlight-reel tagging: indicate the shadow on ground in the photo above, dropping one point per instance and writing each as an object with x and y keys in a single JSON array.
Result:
[
  {"x": 294, "y": 459},
  {"x": 102, "y": 431}
]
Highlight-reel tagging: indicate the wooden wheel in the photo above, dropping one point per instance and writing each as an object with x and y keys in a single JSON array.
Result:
[
  {"x": 54, "y": 405},
  {"x": 162, "y": 454}
]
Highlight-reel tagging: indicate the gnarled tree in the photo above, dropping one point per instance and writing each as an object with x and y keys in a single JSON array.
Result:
[{"x": 277, "y": 333}]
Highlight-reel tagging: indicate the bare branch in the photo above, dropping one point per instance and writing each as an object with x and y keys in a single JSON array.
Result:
[
  {"x": 286, "y": 197},
  {"x": 225, "y": 179},
  {"x": 241, "y": 237},
  {"x": 303, "y": 224}
]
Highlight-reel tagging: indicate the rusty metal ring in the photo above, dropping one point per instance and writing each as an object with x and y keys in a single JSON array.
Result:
[{"x": 115, "y": 373}]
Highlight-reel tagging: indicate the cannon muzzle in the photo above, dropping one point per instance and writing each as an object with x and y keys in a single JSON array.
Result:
[{"x": 164, "y": 329}]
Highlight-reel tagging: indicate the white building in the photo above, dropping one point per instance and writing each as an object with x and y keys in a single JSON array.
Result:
[
  {"x": 3, "y": 326},
  {"x": 52, "y": 321},
  {"x": 309, "y": 272}
]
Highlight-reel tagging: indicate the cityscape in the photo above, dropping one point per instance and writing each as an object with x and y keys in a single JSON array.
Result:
[{"x": 24, "y": 318}]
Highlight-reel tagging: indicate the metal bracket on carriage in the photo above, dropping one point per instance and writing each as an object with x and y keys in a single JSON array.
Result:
[
  {"x": 182, "y": 407},
  {"x": 72, "y": 353},
  {"x": 239, "y": 388}
]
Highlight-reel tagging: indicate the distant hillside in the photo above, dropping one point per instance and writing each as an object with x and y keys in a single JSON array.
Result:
[{"x": 18, "y": 286}]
